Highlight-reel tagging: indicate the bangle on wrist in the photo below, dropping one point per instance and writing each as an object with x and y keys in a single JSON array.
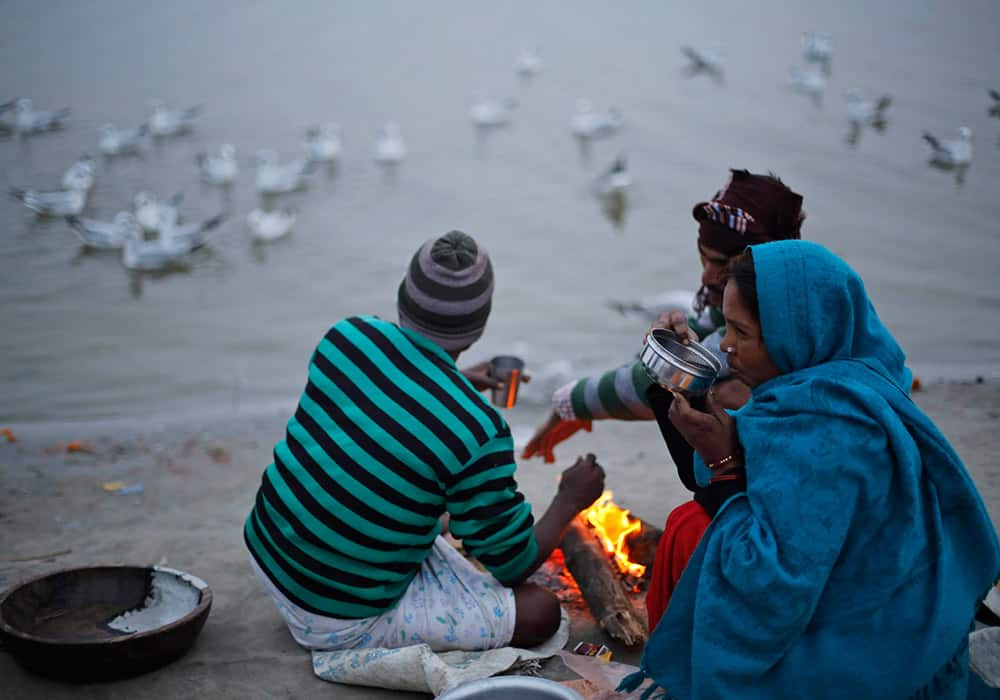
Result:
[{"x": 728, "y": 459}]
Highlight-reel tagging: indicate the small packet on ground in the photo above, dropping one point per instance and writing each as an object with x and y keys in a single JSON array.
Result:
[{"x": 590, "y": 649}]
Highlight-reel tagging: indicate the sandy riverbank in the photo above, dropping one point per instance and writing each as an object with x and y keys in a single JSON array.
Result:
[{"x": 198, "y": 479}]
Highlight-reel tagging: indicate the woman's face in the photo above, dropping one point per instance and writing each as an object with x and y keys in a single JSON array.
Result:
[{"x": 743, "y": 342}]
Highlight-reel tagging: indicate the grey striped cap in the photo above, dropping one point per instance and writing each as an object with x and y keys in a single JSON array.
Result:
[{"x": 447, "y": 292}]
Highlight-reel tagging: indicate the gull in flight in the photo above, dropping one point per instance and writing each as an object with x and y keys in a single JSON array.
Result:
[
  {"x": 154, "y": 214},
  {"x": 952, "y": 154},
  {"x": 80, "y": 175},
  {"x": 323, "y": 144},
  {"x": 707, "y": 62},
  {"x": 390, "y": 149},
  {"x": 862, "y": 113},
  {"x": 105, "y": 235},
  {"x": 588, "y": 123},
  {"x": 492, "y": 113},
  {"x": 809, "y": 83},
  {"x": 27, "y": 120},
  {"x": 192, "y": 236},
  {"x": 649, "y": 308},
  {"x": 53, "y": 202},
  {"x": 117, "y": 142},
  {"x": 267, "y": 226},
  {"x": 818, "y": 48},
  {"x": 527, "y": 64},
  {"x": 166, "y": 122},
  {"x": 6, "y": 126},
  {"x": 278, "y": 178},
  {"x": 221, "y": 168}
]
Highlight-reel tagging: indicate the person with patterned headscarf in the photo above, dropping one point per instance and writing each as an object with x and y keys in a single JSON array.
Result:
[
  {"x": 750, "y": 209},
  {"x": 388, "y": 437}
]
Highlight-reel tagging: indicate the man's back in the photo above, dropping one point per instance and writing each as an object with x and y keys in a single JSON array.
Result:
[{"x": 387, "y": 436}]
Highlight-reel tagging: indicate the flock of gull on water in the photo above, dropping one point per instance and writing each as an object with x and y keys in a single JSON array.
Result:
[{"x": 152, "y": 236}]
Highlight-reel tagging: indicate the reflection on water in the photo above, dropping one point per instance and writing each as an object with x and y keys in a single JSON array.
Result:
[
  {"x": 615, "y": 205},
  {"x": 87, "y": 338}
]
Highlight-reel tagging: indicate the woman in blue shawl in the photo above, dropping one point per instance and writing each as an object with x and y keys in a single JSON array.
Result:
[{"x": 852, "y": 563}]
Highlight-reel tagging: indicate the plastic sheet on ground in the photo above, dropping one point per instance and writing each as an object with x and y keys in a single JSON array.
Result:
[{"x": 416, "y": 668}]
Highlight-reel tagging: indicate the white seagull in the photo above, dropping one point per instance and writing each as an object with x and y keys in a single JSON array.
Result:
[
  {"x": 52, "y": 203},
  {"x": 809, "y": 83},
  {"x": 154, "y": 214},
  {"x": 390, "y": 149},
  {"x": 492, "y": 113},
  {"x": 219, "y": 169},
  {"x": 323, "y": 143},
  {"x": 80, "y": 175},
  {"x": 527, "y": 64},
  {"x": 105, "y": 235},
  {"x": 818, "y": 48},
  {"x": 615, "y": 179},
  {"x": 588, "y": 123},
  {"x": 862, "y": 113},
  {"x": 649, "y": 308},
  {"x": 278, "y": 178},
  {"x": 193, "y": 235},
  {"x": 116, "y": 142},
  {"x": 707, "y": 62},
  {"x": 166, "y": 122},
  {"x": 27, "y": 120},
  {"x": 267, "y": 226},
  {"x": 142, "y": 255},
  {"x": 953, "y": 153}
]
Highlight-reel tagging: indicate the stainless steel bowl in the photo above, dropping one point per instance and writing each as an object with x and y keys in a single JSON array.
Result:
[
  {"x": 687, "y": 367},
  {"x": 505, "y": 687}
]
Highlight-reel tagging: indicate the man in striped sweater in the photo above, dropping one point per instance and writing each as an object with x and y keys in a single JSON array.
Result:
[
  {"x": 389, "y": 436},
  {"x": 749, "y": 209}
]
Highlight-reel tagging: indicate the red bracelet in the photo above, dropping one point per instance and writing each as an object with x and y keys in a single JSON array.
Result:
[
  {"x": 725, "y": 477},
  {"x": 721, "y": 463}
]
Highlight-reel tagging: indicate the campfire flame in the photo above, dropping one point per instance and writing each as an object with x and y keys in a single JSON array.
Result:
[{"x": 612, "y": 525}]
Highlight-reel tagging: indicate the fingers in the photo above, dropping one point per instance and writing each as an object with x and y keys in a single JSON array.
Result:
[{"x": 717, "y": 409}]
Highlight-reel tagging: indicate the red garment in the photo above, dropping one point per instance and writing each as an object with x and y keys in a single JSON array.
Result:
[{"x": 681, "y": 534}]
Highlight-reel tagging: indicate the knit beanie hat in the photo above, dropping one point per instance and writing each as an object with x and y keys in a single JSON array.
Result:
[
  {"x": 447, "y": 292},
  {"x": 749, "y": 209}
]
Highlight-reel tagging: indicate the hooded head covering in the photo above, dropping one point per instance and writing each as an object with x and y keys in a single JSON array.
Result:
[
  {"x": 859, "y": 531},
  {"x": 749, "y": 209},
  {"x": 814, "y": 309}
]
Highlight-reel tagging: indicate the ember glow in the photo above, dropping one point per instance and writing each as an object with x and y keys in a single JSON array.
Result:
[{"x": 612, "y": 525}]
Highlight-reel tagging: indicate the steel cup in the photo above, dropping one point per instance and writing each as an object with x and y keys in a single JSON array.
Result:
[{"x": 507, "y": 369}]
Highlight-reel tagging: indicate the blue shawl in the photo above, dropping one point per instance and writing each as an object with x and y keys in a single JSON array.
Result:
[{"x": 853, "y": 564}]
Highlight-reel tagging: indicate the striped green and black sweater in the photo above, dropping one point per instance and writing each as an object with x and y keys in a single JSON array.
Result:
[{"x": 387, "y": 436}]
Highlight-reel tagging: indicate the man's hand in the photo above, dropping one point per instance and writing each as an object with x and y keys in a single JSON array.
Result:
[
  {"x": 482, "y": 379},
  {"x": 677, "y": 322},
  {"x": 711, "y": 434},
  {"x": 479, "y": 377},
  {"x": 583, "y": 483},
  {"x": 553, "y": 431}
]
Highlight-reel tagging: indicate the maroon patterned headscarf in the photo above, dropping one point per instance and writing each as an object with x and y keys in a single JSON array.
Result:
[{"x": 749, "y": 209}]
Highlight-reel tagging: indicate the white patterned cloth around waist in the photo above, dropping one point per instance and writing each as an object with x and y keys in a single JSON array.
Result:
[{"x": 450, "y": 604}]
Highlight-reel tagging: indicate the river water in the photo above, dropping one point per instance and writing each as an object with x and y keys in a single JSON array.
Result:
[{"x": 82, "y": 338}]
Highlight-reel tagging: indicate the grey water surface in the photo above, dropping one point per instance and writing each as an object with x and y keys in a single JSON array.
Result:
[{"x": 82, "y": 338}]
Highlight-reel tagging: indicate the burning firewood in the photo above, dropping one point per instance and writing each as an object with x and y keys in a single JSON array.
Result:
[
  {"x": 600, "y": 584},
  {"x": 642, "y": 544}
]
